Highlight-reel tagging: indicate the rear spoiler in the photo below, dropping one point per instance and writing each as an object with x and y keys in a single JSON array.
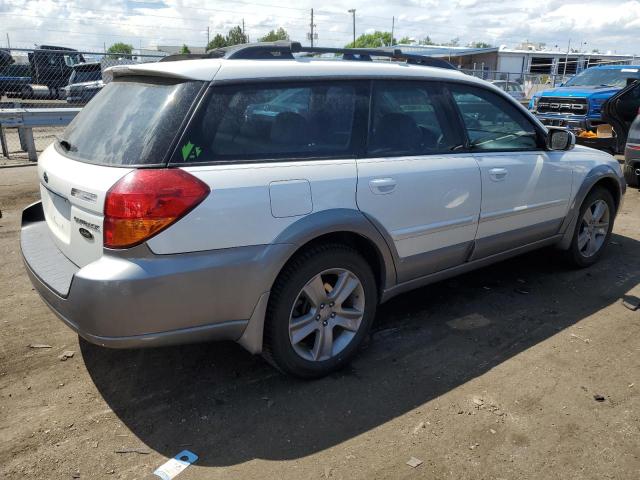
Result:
[
  {"x": 171, "y": 70},
  {"x": 131, "y": 70}
]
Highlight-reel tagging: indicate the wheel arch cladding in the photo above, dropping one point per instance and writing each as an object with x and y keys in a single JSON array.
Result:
[
  {"x": 338, "y": 225},
  {"x": 601, "y": 176},
  {"x": 612, "y": 186},
  {"x": 345, "y": 226}
]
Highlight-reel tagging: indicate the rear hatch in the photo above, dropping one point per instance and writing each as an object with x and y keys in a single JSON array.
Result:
[{"x": 132, "y": 123}]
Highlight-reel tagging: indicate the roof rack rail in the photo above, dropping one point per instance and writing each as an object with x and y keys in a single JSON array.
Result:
[{"x": 285, "y": 50}]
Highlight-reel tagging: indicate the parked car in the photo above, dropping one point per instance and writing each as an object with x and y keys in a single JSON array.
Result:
[
  {"x": 48, "y": 70},
  {"x": 624, "y": 109},
  {"x": 178, "y": 223},
  {"x": 512, "y": 88},
  {"x": 632, "y": 155},
  {"x": 85, "y": 81},
  {"x": 577, "y": 104}
]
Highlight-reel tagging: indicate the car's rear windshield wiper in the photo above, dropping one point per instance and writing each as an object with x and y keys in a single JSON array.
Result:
[{"x": 66, "y": 145}]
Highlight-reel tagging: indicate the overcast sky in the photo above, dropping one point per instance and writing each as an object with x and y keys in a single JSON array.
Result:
[{"x": 607, "y": 25}]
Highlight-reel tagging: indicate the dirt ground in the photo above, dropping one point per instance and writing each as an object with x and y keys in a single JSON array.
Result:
[{"x": 491, "y": 375}]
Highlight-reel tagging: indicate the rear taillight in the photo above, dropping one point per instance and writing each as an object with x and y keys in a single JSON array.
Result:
[{"x": 144, "y": 202}]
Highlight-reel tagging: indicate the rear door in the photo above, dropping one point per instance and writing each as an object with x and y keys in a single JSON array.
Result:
[
  {"x": 525, "y": 188},
  {"x": 413, "y": 184},
  {"x": 131, "y": 123}
]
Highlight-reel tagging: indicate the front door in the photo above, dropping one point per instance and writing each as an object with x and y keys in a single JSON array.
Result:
[{"x": 525, "y": 189}]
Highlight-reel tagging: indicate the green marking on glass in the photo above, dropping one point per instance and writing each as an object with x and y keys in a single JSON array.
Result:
[{"x": 186, "y": 150}]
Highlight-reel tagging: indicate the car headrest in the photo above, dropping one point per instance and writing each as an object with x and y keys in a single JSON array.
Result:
[
  {"x": 397, "y": 131},
  {"x": 290, "y": 128}
]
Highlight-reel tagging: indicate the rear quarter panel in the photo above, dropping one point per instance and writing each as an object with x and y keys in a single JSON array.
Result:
[{"x": 242, "y": 208}]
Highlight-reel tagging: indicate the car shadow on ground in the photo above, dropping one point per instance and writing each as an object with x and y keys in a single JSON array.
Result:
[{"x": 230, "y": 407}]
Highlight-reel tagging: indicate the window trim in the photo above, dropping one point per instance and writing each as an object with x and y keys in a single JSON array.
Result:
[
  {"x": 358, "y": 135},
  {"x": 541, "y": 135}
]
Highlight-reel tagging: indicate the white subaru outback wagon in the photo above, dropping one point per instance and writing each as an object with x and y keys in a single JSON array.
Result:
[{"x": 275, "y": 200}]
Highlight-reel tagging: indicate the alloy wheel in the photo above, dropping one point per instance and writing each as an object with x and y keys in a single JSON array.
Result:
[
  {"x": 326, "y": 314},
  {"x": 594, "y": 227}
]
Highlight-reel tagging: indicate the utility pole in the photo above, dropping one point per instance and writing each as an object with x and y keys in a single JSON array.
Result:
[
  {"x": 243, "y": 26},
  {"x": 312, "y": 26},
  {"x": 393, "y": 26},
  {"x": 566, "y": 59},
  {"x": 352, "y": 11},
  {"x": 207, "y": 38},
  {"x": 8, "y": 42}
]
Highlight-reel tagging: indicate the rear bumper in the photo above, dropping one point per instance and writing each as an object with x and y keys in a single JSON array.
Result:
[{"x": 135, "y": 298}]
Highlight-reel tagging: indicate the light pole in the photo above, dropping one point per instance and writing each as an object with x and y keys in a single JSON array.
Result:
[{"x": 352, "y": 11}]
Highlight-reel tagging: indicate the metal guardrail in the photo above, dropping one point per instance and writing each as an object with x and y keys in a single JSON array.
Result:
[{"x": 25, "y": 119}]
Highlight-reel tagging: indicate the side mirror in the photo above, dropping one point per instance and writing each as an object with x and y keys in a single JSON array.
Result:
[{"x": 560, "y": 139}]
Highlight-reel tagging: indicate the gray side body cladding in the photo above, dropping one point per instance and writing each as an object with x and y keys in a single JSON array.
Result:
[{"x": 594, "y": 176}]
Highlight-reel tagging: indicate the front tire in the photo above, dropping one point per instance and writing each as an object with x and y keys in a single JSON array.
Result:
[
  {"x": 320, "y": 311},
  {"x": 593, "y": 228}
]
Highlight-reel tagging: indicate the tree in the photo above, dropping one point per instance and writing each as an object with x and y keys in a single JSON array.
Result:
[
  {"x": 185, "y": 50},
  {"x": 426, "y": 41},
  {"x": 236, "y": 36},
  {"x": 120, "y": 49},
  {"x": 405, "y": 40},
  {"x": 274, "y": 35},
  {"x": 454, "y": 42},
  {"x": 218, "y": 42},
  {"x": 479, "y": 45},
  {"x": 372, "y": 40}
]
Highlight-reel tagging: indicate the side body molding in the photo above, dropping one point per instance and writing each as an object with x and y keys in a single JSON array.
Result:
[
  {"x": 307, "y": 229},
  {"x": 594, "y": 176}
]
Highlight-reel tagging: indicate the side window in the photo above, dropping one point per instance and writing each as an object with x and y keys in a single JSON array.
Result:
[
  {"x": 267, "y": 121},
  {"x": 492, "y": 122},
  {"x": 406, "y": 120}
]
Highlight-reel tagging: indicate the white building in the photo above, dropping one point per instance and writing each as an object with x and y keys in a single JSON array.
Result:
[{"x": 502, "y": 60}]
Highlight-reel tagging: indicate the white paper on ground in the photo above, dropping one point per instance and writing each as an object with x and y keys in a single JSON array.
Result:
[{"x": 176, "y": 465}]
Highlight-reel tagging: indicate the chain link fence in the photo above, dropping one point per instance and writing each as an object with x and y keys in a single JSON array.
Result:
[
  {"x": 527, "y": 83},
  {"x": 51, "y": 77}
]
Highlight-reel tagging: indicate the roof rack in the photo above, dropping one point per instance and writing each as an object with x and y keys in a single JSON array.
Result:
[{"x": 285, "y": 50}]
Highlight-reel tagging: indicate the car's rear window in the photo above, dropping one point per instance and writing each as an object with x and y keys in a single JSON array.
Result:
[
  {"x": 273, "y": 121},
  {"x": 132, "y": 121}
]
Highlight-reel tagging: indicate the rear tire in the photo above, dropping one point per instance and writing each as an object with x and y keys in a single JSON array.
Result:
[
  {"x": 630, "y": 176},
  {"x": 320, "y": 311},
  {"x": 593, "y": 228}
]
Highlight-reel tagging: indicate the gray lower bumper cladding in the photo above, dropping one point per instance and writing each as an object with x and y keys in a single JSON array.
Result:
[{"x": 135, "y": 298}]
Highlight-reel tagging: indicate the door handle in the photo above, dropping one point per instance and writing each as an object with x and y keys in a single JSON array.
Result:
[
  {"x": 498, "y": 174},
  {"x": 382, "y": 186}
]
